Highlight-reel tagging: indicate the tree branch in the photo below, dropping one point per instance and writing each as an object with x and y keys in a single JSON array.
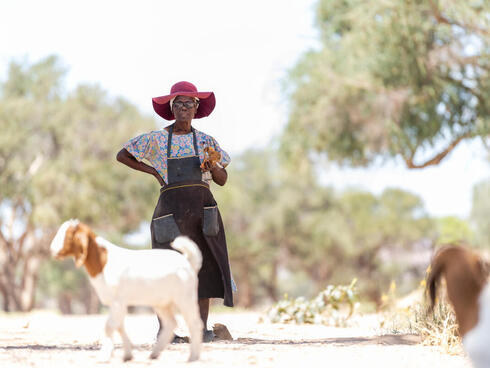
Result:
[
  {"x": 21, "y": 241},
  {"x": 461, "y": 85},
  {"x": 437, "y": 158},
  {"x": 3, "y": 240},
  {"x": 436, "y": 12}
]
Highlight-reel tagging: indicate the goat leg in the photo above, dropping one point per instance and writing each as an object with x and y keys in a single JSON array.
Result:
[{"x": 166, "y": 335}]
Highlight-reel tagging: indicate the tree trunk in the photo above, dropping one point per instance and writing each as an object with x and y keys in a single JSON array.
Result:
[
  {"x": 29, "y": 282},
  {"x": 19, "y": 268},
  {"x": 5, "y": 300},
  {"x": 91, "y": 301},
  {"x": 271, "y": 286},
  {"x": 64, "y": 303},
  {"x": 246, "y": 297}
]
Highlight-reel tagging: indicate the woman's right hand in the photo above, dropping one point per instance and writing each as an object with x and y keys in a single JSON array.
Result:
[
  {"x": 129, "y": 160},
  {"x": 159, "y": 178}
]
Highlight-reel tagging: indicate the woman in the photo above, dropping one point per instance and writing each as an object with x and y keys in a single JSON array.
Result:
[{"x": 186, "y": 205}]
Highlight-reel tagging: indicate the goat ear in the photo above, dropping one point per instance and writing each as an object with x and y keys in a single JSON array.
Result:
[{"x": 81, "y": 240}]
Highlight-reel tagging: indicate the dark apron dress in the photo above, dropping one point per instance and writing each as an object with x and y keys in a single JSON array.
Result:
[{"x": 187, "y": 207}]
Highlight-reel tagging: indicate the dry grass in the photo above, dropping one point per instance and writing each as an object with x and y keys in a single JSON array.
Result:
[
  {"x": 396, "y": 316},
  {"x": 438, "y": 328}
]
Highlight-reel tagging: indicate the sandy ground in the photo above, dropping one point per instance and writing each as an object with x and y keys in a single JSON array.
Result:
[{"x": 45, "y": 339}]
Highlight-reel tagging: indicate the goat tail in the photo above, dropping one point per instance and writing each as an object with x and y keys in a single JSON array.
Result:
[
  {"x": 437, "y": 268},
  {"x": 190, "y": 251}
]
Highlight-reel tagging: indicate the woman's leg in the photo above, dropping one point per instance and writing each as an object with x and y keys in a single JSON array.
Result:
[
  {"x": 207, "y": 335},
  {"x": 204, "y": 311}
]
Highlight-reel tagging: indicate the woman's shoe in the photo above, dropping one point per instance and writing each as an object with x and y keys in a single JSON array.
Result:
[
  {"x": 208, "y": 336},
  {"x": 180, "y": 339}
]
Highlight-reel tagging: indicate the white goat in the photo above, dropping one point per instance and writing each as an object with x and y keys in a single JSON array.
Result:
[{"x": 163, "y": 279}]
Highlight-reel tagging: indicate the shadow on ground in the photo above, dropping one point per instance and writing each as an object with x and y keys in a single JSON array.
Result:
[{"x": 342, "y": 341}]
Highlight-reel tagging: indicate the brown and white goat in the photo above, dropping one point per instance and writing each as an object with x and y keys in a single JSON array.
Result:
[
  {"x": 163, "y": 279},
  {"x": 469, "y": 292}
]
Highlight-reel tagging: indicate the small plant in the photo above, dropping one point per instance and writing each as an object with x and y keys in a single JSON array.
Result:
[
  {"x": 438, "y": 328},
  {"x": 332, "y": 306}
]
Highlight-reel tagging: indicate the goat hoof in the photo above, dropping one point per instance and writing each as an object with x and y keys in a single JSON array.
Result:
[
  {"x": 193, "y": 357},
  {"x": 154, "y": 355},
  {"x": 127, "y": 357}
]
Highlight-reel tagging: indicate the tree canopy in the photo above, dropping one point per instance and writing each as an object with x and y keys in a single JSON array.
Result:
[
  {"x": 280, "y": 223},
  {"x": 57, "y": 161},
  {"x": 480, "y": 213},
  {"x": 392, "y": 78}
]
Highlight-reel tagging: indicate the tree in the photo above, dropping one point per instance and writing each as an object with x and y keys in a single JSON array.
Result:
[
  {"x": 453, "y": 230},
  {"x": 61, "y": 281},
  {"x": 480, "y": 213},
  {"x": 246, "y": 203},
  {"x": 392, "y": 78},
  {"x": 57, "y": 161},
  {"x": 280, "y": 220},
  {"x": 357, "y": 234}
]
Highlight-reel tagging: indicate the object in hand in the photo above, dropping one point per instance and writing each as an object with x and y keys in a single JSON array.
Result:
[{"x": 211, "y": 156}]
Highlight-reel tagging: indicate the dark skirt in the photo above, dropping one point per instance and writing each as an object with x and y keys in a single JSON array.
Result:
[{"x": 186, "y": 202}]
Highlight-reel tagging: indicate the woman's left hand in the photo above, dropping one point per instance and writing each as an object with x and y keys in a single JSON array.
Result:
[
  {"x": 208, "y": 166},
  {"x": 219, "y": 175}
]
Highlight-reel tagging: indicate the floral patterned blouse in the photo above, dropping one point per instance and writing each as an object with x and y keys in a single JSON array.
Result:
[{"x": 153, "y": 147}]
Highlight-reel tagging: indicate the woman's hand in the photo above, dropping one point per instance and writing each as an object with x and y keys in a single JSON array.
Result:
[
  {"x": 219, "y": 174},
  {"x": 208, "y": 166},
  {"x": 159, "y": 178},
  {"x": 128, "y": 159}
]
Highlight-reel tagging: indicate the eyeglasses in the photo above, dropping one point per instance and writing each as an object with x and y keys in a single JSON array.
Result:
[{"x": 187, "y": 104}]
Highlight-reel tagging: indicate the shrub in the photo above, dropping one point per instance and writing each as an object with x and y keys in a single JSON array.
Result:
[{"x": 333, "y": 306}]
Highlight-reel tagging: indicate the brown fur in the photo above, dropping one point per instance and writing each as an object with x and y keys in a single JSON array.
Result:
[
  {"x": 465, "y": 273},
  {"x": 80, "y": 243}
]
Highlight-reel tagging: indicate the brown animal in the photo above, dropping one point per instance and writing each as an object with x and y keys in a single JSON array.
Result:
[
  {"x": 465, "y": 275},
  {"x": 468, "y": 291},
  {"x": 210, "y": 155}
]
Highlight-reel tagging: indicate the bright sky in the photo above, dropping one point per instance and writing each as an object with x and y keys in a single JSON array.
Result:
[{"x": 239, "y": 49}]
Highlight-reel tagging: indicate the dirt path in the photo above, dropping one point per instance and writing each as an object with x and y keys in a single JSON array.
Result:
[{"x": 45, "y": 339}]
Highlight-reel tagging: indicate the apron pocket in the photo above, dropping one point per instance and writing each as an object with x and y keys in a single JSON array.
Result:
[
  {"x": 165, "y": 228},
  {"x": 210, "y": 226}
]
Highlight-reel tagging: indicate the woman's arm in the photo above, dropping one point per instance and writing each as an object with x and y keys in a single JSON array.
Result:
[{"x": 126, "y": 158}]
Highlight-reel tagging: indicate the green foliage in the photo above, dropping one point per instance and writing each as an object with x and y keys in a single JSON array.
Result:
[
  {"x": 452, "y": 230},
  {"x": 333, "y": 306},
  {"x": 280, "y": 221},
  {"x": 480, "y": 213},
  {"x": 61, "y": 276},
  {"x": 57, "y": 155},
  {"x": 392, "y": 78},
  {"x": 57, "y": 161},
  {"x": 247, "y": 203}
]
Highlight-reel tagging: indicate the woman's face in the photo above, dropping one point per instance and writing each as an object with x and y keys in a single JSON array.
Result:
[{"x": 184, "y": 108}]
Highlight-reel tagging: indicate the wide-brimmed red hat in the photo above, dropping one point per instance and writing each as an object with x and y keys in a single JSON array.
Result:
[{"x": 207, "y": 101}]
